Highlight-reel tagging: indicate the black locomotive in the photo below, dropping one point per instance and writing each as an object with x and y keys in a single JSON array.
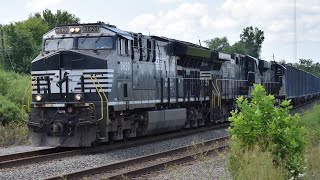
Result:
[{"x": 94, "y": 83}]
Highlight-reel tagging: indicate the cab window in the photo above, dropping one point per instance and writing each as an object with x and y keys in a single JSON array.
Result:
[
  {"x": 95, "y": 43},
  {"x": 58, "y": 44}
]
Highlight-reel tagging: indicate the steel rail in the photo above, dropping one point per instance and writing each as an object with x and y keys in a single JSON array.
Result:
[
  {"x": 27, "y": 154},
  {"x": 19, "y": 159},
  {"x": 183, "y": 154}
]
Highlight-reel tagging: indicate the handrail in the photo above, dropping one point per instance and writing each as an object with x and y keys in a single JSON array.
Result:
[
  {"x": 219, "y": 94},
  {"x": 105, "y": 96},
  {"x": 23, "y": 98},
  {"x": 216, "y": 91},
  {"x": 101, "y": 100},
  {"x": 29, "y": 99}
]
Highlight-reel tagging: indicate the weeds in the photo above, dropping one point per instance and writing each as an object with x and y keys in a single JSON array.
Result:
[
  {"x": 311, "y": 120},
  {"x": 13, "y": 134}
]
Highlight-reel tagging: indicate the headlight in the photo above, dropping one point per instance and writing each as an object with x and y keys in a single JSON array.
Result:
[
  {"x": 71, "y": 30},
  {"x": 38, "y": 97},
  {"x": 78, "y": 97},
  {"x": 76, "y": 29}
]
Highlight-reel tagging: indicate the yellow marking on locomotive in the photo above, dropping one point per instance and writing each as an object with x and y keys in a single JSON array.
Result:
[{"x": 105, "y": 96}]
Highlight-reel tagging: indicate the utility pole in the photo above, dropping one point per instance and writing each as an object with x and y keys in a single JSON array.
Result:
[
  {"x": 3, "y": 50},
  {"x": 295, "y": 46}
]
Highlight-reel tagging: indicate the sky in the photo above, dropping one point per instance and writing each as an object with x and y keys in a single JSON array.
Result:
[{"x": 194, "y": 20}]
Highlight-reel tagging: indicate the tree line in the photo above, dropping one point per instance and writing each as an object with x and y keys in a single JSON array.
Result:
[{"x": 23, "y": 39}]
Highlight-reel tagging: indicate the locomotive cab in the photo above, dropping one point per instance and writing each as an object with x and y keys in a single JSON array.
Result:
[{"x": 66, "y": 76}]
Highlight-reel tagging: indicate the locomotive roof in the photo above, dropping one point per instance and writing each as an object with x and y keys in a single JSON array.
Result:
[{"x": 176, "y": 47}]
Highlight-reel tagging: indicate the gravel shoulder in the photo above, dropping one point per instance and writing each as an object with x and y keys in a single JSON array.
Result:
[
  {"x": 19, "y": 149},
  {"x": 211, "y": 168},
  {"x": 67, "y": 165}
]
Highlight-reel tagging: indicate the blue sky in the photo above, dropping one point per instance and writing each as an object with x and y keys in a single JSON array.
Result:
[{"x": 192, "y": 20}]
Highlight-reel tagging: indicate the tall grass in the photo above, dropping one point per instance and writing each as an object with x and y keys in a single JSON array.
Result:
[
  {"x": 13, "y": 87},
  {"x": 311, "y": 120},
  {"x": 256, "y": 164},
  {"x": 13, "y": 134}
]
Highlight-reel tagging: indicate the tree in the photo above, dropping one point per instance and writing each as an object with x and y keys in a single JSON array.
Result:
[
  {"x": 309, "y": 66},
  {"x": 24, "y": 38},
  {"x": 250, "y": 43},
  {"x": 60, "y": 17},
  {"x": 238, "y": 47},
  {"x": 252, "y": 39},
  {"x": 218, "y": 44}
]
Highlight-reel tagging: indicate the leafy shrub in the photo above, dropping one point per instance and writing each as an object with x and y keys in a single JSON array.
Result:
[
  {"x": 272, "y": 129},
  {"x": 13, "y": 87},
  {"x": 9, "y": 111}
]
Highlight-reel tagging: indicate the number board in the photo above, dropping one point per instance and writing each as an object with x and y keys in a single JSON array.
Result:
[
  {"x": 62, "y": 30},
  {"x": 90, "y": 29}
]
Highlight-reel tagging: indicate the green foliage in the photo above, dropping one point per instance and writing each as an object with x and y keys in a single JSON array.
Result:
[
  {"x": 23, "y": 39},
  {"x": 250, "y": 43},
  {"x": 238, "y": 47},
  {"x": 12, "y": 89},
  {"x": 218, "y": 44},
  {"x": 273, "y": 129},
  {"x": 311, "y": 120},
  {"x": 309, "y": 66},
  {"x": 9, "y": 111},
  {"x": 60, "y": 17},
  {"x": 252, "y": 163},
  {"x": 252, "y": 38}
]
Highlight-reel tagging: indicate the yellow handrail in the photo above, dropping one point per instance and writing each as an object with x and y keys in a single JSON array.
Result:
[
  {"x": 105, "y": 96},
  {"x": 216, "y": 91},
  {"x": 219, "y": 94},
  {"x": 23, "y": 98},
  {"x": 101, "y": 100},
  {"x": 213, "y": 101},
  {"x": 29, "y": 99}
]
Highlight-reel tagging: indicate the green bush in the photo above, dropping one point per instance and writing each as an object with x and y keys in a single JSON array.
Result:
[
  {"x": 9, "y": 111},
  {"x": 272, "y": 129},
  {"x": 13, "y": 87}
]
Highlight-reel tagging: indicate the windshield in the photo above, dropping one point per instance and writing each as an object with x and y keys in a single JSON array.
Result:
[
  {"x": 95, "y": 42},
  {"x": 58, "y": 44}
]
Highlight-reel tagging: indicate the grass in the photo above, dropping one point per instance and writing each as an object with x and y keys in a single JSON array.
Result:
[
  {"x": 13, "y": 134},
  {"x": 252, "y": 164},
  {"x": 255, "y": 164},
  {"x": 311, "y": 120}
]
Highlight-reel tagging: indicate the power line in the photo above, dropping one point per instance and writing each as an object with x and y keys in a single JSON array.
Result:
[{"x": 295, "y": 48}]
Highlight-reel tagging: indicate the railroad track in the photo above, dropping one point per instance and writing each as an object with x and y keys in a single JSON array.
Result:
[
  {"x": 19, "y": 159},
  {"x": 306, "y": 105},
  {"x": 136, "y": 167}
]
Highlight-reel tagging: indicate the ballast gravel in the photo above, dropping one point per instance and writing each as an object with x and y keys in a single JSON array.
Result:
[
  {"x": 19, "y": 149},
  {"x": 209, "y": 168},
  {"x": 81, "y": 162}
]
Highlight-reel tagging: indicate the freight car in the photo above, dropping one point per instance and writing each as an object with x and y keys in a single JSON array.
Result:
[{"x": 94, "y": 83}]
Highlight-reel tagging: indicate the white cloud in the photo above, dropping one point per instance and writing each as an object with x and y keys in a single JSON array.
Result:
[
  {"x": 169, "y": 1},
  {"x": 39, "y": 5},
  {"x": 190, "y": 21},
  {"x": 185, "y": 22}
]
